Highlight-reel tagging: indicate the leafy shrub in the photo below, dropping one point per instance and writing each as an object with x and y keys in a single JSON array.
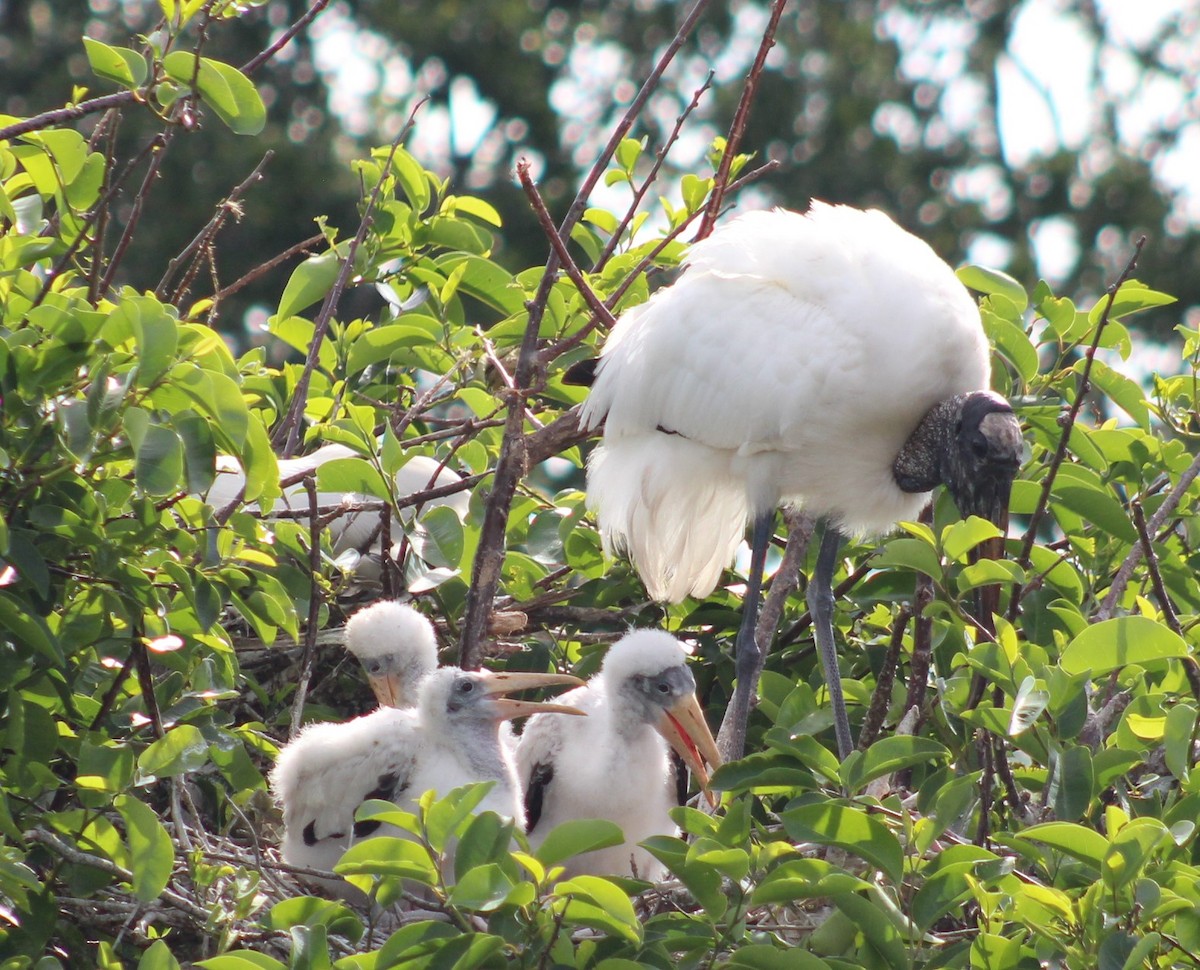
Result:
[{"x": 156, "y": 650}]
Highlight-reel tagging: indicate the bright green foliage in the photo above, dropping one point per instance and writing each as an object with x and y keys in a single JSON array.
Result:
[{"x": 148, "y": 658}]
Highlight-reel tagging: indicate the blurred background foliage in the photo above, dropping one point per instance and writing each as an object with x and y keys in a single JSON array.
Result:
[{"x": 956, "y": 118}]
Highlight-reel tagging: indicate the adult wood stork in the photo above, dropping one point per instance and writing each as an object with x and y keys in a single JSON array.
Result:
[
  {"x": 614, "y": 764},
  {"x": 397, "y": 648},
  {"x": 354, "y": 531},
  {"x": 450, "y": 739},
  {"x": 830, "y": 360}
]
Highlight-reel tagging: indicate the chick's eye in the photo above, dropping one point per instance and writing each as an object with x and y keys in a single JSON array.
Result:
[
  {"x": 466, "y": 687},
  {"x": 664, "y": 687}
]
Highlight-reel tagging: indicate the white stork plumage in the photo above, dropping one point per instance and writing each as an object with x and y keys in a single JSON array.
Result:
[
  {"x": 353, "y": 531},
  {"x": 397, "y": 648},
  {"x": 830, "y": 360},
  {"x": 615, "y": 763},
  {"x": 450, "y": 739}
]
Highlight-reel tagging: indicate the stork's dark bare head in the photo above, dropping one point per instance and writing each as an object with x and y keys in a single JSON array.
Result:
[{"x": 971, "y": 443}]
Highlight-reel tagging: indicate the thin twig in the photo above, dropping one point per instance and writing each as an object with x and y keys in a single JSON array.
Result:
[
  {"x": 203, "y": 239},
  {"x": 59, "y": 116},
  {"x": 599, "y": 310},
  {"x": 881, "y": 699},
  {"x": 1068, "y": 420},
  {"x": 783, "y": 584},
  {"x": 659, "y": 158},
  {"x": 314, "y": 609},
  {"x": 555, "y": 350},
  {"x": 740, "y": 118},
  {"x": 158, "y": 151},
  {"x": 511, "y": 463},
  {"x": 287, "y": 434},
  {"x": 258, "y": 60},
  {"x": 1125, "y": 572},
  {"x": 266, "y": 267}
]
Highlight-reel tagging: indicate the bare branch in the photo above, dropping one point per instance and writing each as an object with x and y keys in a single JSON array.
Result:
[
  {"x": 740, "y": 118},
  {"x": 288, "y": 432}
]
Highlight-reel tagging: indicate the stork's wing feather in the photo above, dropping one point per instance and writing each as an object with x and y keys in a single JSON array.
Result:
[
  {"x": 677, "y": 778},
  {"x": 540, "y": 776},
  {"x": 539, "y": 749},
  {"x": 322, "y": 776}
]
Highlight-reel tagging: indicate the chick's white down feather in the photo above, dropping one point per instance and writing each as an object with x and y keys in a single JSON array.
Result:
[
  {"x": 610, "y": 764},
  {"x": 322, "y": 776},
  {"x": 398, "y": 639},
  {"x": 790, "y": 362}
]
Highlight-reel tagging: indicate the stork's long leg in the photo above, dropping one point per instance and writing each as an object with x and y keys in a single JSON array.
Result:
[
  {"x": 820, "y": 605},
  {"x": 746, "y": 645}
]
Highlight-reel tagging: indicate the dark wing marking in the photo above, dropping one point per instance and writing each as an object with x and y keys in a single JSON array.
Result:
[
  {"x": 583, "y": 373},
  {"x": 680, "y": 775},
  {"x": 311, "y": 837},
  {"x": 386, "y": 791},
  {"x": 535, "y": 793}
]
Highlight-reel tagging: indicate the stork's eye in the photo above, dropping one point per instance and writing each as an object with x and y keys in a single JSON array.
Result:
[{"x": 979, "y": 446}]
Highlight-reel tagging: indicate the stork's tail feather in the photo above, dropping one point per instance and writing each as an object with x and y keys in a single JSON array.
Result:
[{"x": 659, "y": 498}]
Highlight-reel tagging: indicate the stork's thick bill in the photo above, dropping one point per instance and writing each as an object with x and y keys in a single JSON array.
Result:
[
  {"x": 387, "y": 688},
  {"x": 497, "y": 685},
  {"x": 686, "y": 731}
]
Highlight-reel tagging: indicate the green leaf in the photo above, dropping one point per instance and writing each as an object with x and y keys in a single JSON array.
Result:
[
  {"x": 889, "y": 755},
  {"x": 411, "y": 176},
  {"x": 879, "y": 931},
  {"x": 449, "y": 811},
  {"x": 222, "y": 87},
  {"x": 18, "y": 622},
  {"x": 151, "y": 853},
  {"x": 1132, "y": 297},
  {"x": 763, "y": 956},
  {"x": 310, "y": 911},
  {"x": 387, "y": 856},
  {"x": 445, "y": 538},
  {"x": 1077, "y": 841},
  {"x": 352, "y": 475},
  {"x": 805, "y": 879},
  {"x": 628, "y": 152},
  {"x": 486, "y": 840},
  {"x": 1131, "y": 848},
  {"x": 577, "y": 836},
  {"x": 914, "y": 554},
  {"x": 961, "y": 537},
  {"x": 1122, "y": 391},
  {"x": 384, "y": 342},
  {"x": 1177, "y": 740},
  {"x": 598, "y": 903},
  {"x": 1013, "y": 344},
  {"x": 1113, "y": 644},
  {"x": 180, "y": 750},
  {"x": 483, "y": 888},
  {"x": 473, "y": 206},
  {"x": 989, "y": 281},
  {"x": 309, "y": 282},
  {"x": 1076, "y": 783},
  {"x": 119, "y": 64},
  {"x": 242, "y": 960},
  {"x": 159, "y": 465},
  {"x": 158, "y": 956},
  {"x": 859, "y": 834}
]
